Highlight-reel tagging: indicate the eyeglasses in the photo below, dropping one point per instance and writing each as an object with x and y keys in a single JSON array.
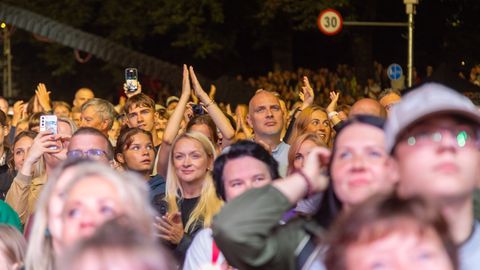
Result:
[
  {"x": 93, "y": 154},
  {"x": 463, "y": 135}
]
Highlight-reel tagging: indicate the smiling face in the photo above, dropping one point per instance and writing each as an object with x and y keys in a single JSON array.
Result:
[
  {"x": 20, "y": 151},
  {"x": 321, "y": 125},
  {"x": 360, "y": 165},
  {"x": 90, "y": 202},
  {"x": 139, "y": 155},
  {"x": 244, "y": 173},
  {"x": 190, "y": 160}
]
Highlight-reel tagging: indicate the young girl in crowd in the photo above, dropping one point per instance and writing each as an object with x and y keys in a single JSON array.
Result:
[
  {"x": 12, "y": 248},
  {"x": 135, "y": 152},
  {"x": 190, "y": 194},
  {"x": 391, "y": 233},
  {"x": 358, "y": 168}
]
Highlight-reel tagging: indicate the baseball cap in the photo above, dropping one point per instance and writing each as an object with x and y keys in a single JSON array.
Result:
[
  {"x": 171, "y": 99},
  {"x": 426, "y": 100}
]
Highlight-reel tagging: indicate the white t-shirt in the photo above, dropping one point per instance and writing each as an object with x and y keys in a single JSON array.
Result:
[{"x": 199, "y": 254}]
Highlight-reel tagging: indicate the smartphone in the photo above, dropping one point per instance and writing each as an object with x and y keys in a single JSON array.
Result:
[
  {"x": 48, "y": 122},
  {"x": 131, "y": 79}
]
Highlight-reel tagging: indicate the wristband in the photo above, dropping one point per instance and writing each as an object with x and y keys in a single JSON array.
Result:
[
  {"x": 332, "y": 114},
  {"x": 307, "y": 181}
]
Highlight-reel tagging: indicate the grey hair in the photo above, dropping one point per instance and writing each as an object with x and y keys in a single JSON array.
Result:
[{"x": 104, "y": 108}]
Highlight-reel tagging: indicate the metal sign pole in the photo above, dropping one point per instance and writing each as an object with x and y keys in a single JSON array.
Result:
[{"x": 410, "y": 10}]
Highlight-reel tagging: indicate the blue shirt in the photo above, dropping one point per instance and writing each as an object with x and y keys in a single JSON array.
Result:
[
  {"x": 469, "y": 252},
  {"x": 280, "y": 154}
]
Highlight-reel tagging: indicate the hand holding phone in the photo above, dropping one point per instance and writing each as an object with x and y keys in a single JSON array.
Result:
[
  {"x": 131, "y": 79},
  {"x": 49, "y": 123}
]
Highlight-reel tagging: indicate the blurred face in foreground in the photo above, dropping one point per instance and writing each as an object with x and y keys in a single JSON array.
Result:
[
  {"x": 400, "y": 250},
  {"x": 90, "y": 202},
  {"x": 360, "y": 165},
  {"x": 439, "y": 158}
]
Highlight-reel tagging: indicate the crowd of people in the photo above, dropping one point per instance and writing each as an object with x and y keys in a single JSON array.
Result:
[{"x": 313, "y": 173}]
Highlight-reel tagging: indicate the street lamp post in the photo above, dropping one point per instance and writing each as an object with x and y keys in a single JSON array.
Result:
[
  {"x": 410, "y": 10},
  {"x": 7, "y": 62}
]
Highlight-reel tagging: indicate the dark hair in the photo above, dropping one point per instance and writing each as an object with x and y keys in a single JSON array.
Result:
[
  {"x": 241, "y": 149},
  {"x": 125, "y": 138},
  {"x": 379, "y": 216},
  {"x": 96, "y": 132},
  {"x": 204, "y": 119},
  {"x": 331, "y": 205}
]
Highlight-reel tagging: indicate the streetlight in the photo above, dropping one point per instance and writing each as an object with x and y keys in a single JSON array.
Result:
[{"x": 410, "y": 10}]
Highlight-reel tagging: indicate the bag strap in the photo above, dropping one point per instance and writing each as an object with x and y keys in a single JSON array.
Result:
[{"x": 215, "y": 252}]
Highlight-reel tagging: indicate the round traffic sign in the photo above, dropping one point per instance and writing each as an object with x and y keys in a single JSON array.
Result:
[
  {"x": 394, "y": 71},
  {"x": 330, "y": 22}
]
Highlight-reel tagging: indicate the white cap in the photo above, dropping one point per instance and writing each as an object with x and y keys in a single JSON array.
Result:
[{"x": 424, "y": 101}]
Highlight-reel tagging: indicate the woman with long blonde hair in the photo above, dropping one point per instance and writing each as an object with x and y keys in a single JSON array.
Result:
[
  {"x": 190, "y": 193},
  {"x": 313, "y": 119}
]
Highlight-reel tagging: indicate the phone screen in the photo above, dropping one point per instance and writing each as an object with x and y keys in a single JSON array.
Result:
[{"x": 131, "y": 79}]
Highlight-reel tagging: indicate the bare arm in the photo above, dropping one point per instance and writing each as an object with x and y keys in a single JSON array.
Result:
[
  {"x": 173, "y": 125},
  {"x": 221, "y": 121}
]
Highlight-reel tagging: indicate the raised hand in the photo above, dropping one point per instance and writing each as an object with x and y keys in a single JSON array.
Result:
[
  {"x": 131, "y": 94},
  {"x": 307, "y": 95},
  {"x": 332, "y": 106},
  {"x": 315, "y": 167},
  {"x": 18, "y": 112},
  {"x": 199, "y": 92},
  {"x": 44, "y": 142},
  {"x": 186, "y": 88},
  {"x": 43, "y": 97}
]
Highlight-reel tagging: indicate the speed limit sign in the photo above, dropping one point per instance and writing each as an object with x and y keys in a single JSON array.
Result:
[{"x": 330, "y": 22}]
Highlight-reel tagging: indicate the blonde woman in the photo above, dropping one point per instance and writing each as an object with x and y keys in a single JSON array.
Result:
[
  {"x": 312, "y": 119},
  {"x": 46, "y": 152},
  {"x": 190, "y": 194},
  {"x": 47, "y": 241}
]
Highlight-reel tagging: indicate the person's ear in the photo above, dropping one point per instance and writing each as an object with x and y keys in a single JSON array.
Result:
[
  {"x": 105, "y": 124},
  {"x": 6, "y": 130},
  {"x": 249, "y": 121}
]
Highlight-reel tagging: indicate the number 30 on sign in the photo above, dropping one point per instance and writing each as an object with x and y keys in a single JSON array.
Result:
[{"x": 330, "y": 22}]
